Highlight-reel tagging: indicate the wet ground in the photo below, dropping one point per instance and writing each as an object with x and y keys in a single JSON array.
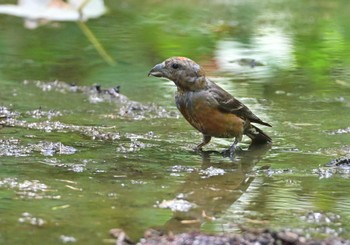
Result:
[
  {"x": 246, "y": 238},
  {"x": 86, "y": 147}
]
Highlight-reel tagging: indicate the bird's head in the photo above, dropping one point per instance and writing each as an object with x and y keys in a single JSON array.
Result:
[{"x": 184, "y": 72}]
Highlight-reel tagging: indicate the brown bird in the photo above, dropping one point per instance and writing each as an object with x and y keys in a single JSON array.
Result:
[{"x": 207, "y": 107}]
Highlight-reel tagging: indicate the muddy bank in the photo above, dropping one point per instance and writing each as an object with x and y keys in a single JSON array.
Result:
[
  {"x": 153, "y": 237},
  {"x": 97, "y": 94},
  {"x": 38, "y": 120}
]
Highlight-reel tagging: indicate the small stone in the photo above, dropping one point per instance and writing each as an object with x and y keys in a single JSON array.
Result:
[{"x": 288, "y": 236}]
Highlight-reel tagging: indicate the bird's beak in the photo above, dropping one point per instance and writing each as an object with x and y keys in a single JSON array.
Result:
[{"x": 157, "y": 70}]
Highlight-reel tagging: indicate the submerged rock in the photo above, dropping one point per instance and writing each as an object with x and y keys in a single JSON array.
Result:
[
  {"x": 14, "y": 147},
  {"x": 154, "y": 237},
  {"x": 340, "y": 131},
  {"x": 318, "y": 218},
  {"x": 28, "y": 189},
  {"x": 340, "y": 162},
  {"x": 342, "y": 150},
  {"x": 99, "y": 133},
  {"x": 97, "y": 94},
  {"x": 68, "y": 239},
  {"x": 7, "y": 113},
  {"x": 44, "y": 120},
  {"x": 30, "y": 219},
  {"x": 339, "y": 166},
  {"x": 176, "y": 205},
  {"x": 211, "y": 171},
  {"x": 51, "y": 148},
  {"x": 38, "y": 113},
  {"x": 134, "y": 146}
]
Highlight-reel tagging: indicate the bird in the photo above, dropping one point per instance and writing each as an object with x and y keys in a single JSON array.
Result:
[{"x": 207, "y": 107}]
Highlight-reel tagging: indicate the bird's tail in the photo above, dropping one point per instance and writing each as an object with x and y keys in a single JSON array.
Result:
[{"x": 257, "y": 135}]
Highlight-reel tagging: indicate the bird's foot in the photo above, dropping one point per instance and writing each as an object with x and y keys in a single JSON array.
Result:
[
  {"x": 226, "y": 153},
  {"x": 230, "y": 152}
]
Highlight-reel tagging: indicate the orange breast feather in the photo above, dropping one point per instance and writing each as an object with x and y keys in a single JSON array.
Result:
[{"x": 204, "y": 115}]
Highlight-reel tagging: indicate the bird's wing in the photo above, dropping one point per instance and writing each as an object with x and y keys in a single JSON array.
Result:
[{"x": 227, "y": 103}]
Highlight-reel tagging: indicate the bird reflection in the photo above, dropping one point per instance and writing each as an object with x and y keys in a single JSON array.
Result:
[{"x": 212, "y": 190}]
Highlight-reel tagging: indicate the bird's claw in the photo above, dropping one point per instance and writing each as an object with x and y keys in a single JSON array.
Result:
[
  {"x": 230, "y": 152},
  {"x": 227, "y": 153}
]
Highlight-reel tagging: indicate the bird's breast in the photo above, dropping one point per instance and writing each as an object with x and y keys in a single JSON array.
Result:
[{"x": 201, "y": 110}]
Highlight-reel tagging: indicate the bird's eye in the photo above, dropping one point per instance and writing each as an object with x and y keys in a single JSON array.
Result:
[{"x": 175, "y": 65}]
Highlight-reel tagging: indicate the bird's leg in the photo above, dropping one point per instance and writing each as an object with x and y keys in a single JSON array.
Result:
[
  {"x": 205, "y": 141},
  {"x": 233, "y": 147}
]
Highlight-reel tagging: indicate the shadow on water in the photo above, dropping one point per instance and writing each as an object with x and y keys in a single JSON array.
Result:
[{"x": 209, "y": 192}]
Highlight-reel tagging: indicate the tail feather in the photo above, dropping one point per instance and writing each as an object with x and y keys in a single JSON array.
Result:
[{"x": 257, "y": 135}]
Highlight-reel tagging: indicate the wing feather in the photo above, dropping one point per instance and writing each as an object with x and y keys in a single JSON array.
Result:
[{"x": 227, "y": 103}]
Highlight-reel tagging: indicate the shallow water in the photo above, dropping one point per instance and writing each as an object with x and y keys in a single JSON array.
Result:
[{"x": 76, "y": 163}]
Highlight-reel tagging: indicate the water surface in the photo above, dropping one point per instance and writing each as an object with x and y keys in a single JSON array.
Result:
[{"x": 74, "y": 165}]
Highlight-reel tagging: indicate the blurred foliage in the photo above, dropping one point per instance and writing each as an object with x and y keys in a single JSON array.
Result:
[{"x": 134, "y": 33}]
